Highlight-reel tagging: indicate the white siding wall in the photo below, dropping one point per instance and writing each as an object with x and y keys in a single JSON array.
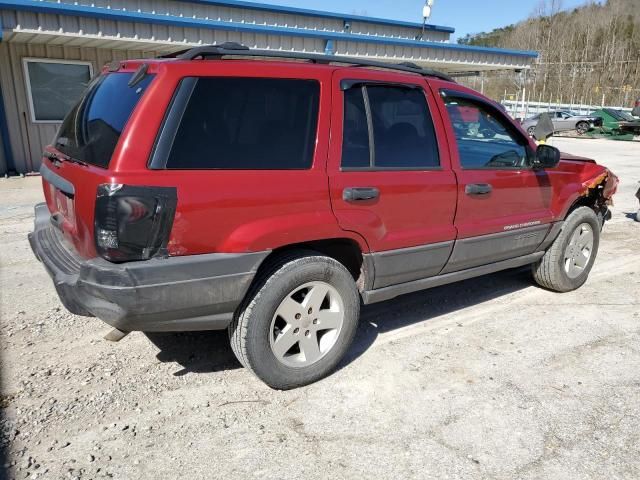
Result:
[
  {"x": 83, "y": 31},
  {"x": 241, "y": 15},
  {"x": 28, "y": 139}
]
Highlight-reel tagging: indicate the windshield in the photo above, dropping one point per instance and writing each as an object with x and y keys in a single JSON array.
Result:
[{"x": 91, "y": 130}]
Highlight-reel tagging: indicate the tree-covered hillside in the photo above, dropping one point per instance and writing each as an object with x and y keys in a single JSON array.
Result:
[{"x": 585, "y": 53}]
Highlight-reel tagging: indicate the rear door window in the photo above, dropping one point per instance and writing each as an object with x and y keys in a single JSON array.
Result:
[
  {"x": 91, "y": 130},
  {"x": 242, "y": 123},
  {"x": 387, "y": 128}
]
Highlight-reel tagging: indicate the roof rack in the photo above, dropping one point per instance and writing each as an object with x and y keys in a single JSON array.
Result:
[{"x": 233, "y": 49}]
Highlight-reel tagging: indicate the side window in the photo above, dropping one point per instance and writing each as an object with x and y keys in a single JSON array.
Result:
[
  {"x": 485, "y": 139},
  {"x": 247, "y": 123},
  {"x": 403, "y": 135}
]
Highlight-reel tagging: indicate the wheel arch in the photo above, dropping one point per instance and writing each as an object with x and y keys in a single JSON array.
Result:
[
  {"x": 344, "y": 250},
  {"x": 593, "y": 195}
]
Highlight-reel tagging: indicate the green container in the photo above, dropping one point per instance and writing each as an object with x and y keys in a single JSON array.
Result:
[{"x": 616, "y": 122}]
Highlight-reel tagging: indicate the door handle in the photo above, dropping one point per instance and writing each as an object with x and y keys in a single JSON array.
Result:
[
  {"x": 478, "y": 189},
  {"x": 360, "y": 194}
]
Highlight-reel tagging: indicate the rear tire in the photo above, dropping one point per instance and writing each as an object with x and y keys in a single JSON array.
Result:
[
  {"x": 565, "y": 266},
  {"x": 291, "y": 301}
]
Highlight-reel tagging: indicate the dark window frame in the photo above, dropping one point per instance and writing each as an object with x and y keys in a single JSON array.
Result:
[
  {"x": 177, "y": 107},
  {"x": 496, "y": 112},
  {"x": 347, "y": 84}
]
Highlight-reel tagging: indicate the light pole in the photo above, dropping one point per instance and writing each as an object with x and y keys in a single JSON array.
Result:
[{"x": 426, "y": 13}]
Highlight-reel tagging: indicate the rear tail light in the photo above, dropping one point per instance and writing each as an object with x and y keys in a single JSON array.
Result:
[{"x": 132, "y": 222}]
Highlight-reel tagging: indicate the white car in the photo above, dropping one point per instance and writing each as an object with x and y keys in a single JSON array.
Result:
[{"x": 564, "y": 121}]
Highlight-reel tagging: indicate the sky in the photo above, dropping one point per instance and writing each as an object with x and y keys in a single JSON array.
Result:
[{"x": 466, "y": 16}]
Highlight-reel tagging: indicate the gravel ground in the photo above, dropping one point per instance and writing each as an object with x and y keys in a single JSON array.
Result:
[{"x": 491, "y": 378}]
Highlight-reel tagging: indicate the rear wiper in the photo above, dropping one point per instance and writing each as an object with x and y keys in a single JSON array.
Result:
[
  {"x": 75, "y": 160},
  {"x": 54, "y": 157}
]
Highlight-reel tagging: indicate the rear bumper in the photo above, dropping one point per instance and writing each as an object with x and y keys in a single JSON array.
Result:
[{"x": 196, "y": 292}]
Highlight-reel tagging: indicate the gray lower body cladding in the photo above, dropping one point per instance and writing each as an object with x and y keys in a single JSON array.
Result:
[
  {"x": 407, "y": 264},
  {"x": 196, "y": 292},
  {"x": 495, "y": 247},
  {"x": 468, "y": 258}
]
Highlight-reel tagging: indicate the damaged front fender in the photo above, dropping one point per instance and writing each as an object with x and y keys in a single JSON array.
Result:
[
  {"x": 583, "y": 182},
  {"x": 597, "y": 192},
  {"x": 603, "y": 187}
]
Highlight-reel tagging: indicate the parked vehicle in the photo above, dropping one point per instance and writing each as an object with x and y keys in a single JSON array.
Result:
[
  {"x": 618, "y": 122},
  {"x": 636, "y": 109},
  {"x": 564, "y": 121},
  {"x": 273, "y": 198},
  {"x": 638, "y": 212}
]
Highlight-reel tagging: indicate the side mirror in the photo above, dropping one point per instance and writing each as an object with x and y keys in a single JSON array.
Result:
[{"x": 546, "y": 157}]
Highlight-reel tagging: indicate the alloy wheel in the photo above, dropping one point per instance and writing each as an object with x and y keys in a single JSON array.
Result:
[
  {"x": 306, "y": 324},
  {"x": 579, "y": 250}
]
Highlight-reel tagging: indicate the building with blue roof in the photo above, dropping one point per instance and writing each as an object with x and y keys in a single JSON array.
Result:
[{"x": 49, "y": 49}]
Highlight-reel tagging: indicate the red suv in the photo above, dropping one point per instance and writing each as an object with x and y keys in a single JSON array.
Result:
[{"x": 222, "y": 189}]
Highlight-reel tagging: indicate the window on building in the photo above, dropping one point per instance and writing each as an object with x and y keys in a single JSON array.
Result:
[
  {"x": 402, "y": 127},
  {"x": 54, "y": 87},
  {"x": 247, "y": 123},
  {"x": 485, "y": 138}
]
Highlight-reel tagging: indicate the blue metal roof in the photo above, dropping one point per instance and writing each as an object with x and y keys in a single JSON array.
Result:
[
  {"x": 41, "y": 6},
  {"x": 317, "y": 13}
]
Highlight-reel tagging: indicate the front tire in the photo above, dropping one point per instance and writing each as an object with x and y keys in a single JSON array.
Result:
[
  {"x": 565, "y": 266},
  {"x": 297, "y": 321}
]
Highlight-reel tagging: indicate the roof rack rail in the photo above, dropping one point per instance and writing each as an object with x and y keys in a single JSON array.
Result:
[{"x": 231, "y": 49}]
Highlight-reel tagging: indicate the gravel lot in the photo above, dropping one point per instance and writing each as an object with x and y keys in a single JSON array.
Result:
[{"x": 489, "y": 378}]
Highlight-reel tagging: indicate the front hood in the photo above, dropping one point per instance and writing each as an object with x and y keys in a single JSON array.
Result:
[{"x": 575, "y": 158}]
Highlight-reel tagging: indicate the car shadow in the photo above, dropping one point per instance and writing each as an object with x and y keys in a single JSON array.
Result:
[
  {"x": 195, "y": 352},
  {"x": 426, "y": 305},
  {"x": 207, "y": 352}
]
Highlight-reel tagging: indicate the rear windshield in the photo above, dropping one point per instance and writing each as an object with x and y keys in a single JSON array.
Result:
[{"x": 91, "y": 130}]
